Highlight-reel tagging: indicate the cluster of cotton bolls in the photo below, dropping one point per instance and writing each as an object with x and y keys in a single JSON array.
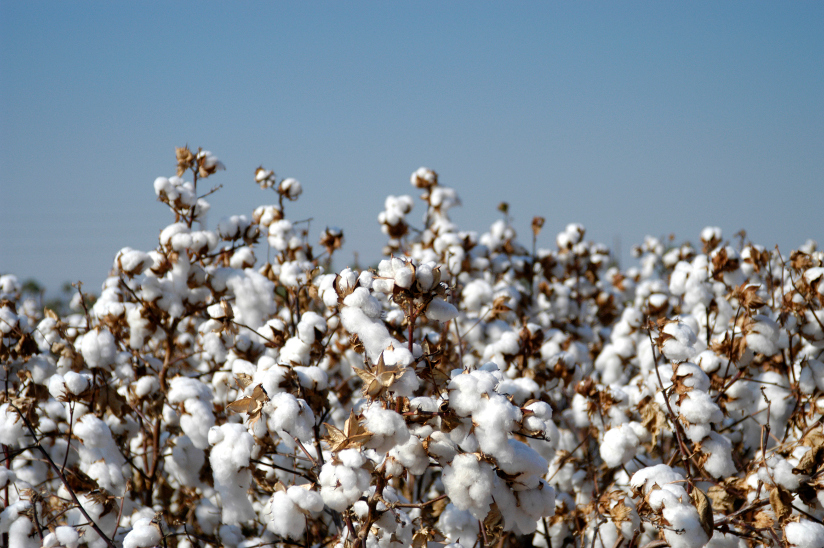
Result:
[{"x": 468, "y": 391}]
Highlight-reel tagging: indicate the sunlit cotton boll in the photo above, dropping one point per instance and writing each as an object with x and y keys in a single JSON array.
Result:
[
  {"x": 468, "y": 483},
  {"x": 343, "y": 483},
  {"x": 290, "y": 508},
  {"x": 144, "y": 534},
  {"x": 679, "y": 342},
  {"x": 98, "y": 348},
  {"x": 619, "y": 446}
]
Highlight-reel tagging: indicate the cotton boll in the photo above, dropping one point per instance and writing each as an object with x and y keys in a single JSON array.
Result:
[
  {"x": 619, "y": 446},
  {"x": 342, "y": 484},
  {"x": 468, "y": 483},
  {"x": 718, "y": 449},
  {"x": 184, "y": 388},
  {"x": 144, "y": 534},
  {"x": 388, "y": 429},
  {"x": 659, "y": 474},
  {"x": 197, "y": 421},
  {"x": 372, "y": 332},
  {"x": 458, "y": 526},
  {"x": 692, "y": 376},
  {"x": 523, "y": 463},
  {"x": 291, "y": 415},
  {"x": 709, "y": 361},
  {"x": 680, "y": 346},
  {"x": 412, "y": 456},
  {"x": 98, "y": 348},
  {"x": 63, "y": 536},
  {"x": 231, "y": 450},
  {"x": 441, "y": 311},
  {"x": 185, "y": 462},
  {"x": 686, "y": 529},
  {"x": 699, "y": 408},
  {"x": 762, "y": 336},
  {"x": 286, "y": 518},
  {"x": 804, "y": 534},
  {"x": 495, "y": 418},
  {"x": 76, "y": 383},
  {"x": 475, "y": 294}
]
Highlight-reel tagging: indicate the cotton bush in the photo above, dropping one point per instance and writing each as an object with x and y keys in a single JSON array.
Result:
[{"x": 232, "y": 388}]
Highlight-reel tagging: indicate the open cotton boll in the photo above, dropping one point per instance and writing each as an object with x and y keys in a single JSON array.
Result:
[
  {"x": 76, "y": 383},
  {"x": 523, "y": 463},
  {"x": 692, "y": 376},
  {"x": 411, "y": 455},
  {"x": 371, "y": 332},
  {"x": 185, "y": 462},
  {"x": 718, "y": 449},
  {"x": 494, "y": 420},
  {"x": 441, "y": 311},
  {"x": 231, "y": 450},
  {"x": 804, "y": 534},
  {"x": 184, "y": 388},
  {"x": 62, "y": 536},
  {"x": 286, "y": 518},
  {"x": 290, "y": 415},
  {"x": 197, "y": 420},
  {"x": 388, "y": 429},
  {"x": 659, "y": 474},
  {"x": 468, "y": 483},
  {"x": 680, "y": 346},
  {"x": 458, "y": 526},
  {"x": 619, "y": 446},
  {"x": 762, "y": 335},
  {"x": 98, "y": 348},
  {"x": 686, "y": 527},
  {"x": 699, "y": 408},
  {"x": 144, "y": 534},
  {"x": 344, "y": 483}
]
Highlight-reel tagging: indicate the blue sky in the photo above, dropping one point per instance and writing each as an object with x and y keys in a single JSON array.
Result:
[{"x": 631, "y": 118}]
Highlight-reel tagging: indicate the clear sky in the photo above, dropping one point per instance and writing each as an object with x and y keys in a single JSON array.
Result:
[{"x": 631, "y": 118}]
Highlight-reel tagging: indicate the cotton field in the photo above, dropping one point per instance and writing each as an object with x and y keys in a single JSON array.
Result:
[{"x": 230, "y": 388}]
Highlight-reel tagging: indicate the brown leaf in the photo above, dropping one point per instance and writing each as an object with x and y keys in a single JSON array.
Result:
[
  {"x": 243, "y": 380},
  {"x": 704, "y": 507},
  {"x": 352, "y": 435},
  {"x": 620, "y": 512},
  {"x": 811, "y": 461},
  {"x": 253, "y": 405},
  {"x": 781, "y": 502}
]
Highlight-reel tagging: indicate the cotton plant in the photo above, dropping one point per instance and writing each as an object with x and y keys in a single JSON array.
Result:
[{"x": 232, "y": 388}]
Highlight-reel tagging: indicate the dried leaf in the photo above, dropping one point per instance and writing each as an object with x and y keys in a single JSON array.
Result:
[
  {"x": 781, "y": 502},
  {"x": 243, "y": 380},
  {"x": 704, "y": 507},
  {"x": 352, "y": 435},
  {"x": 620, "y": 512}
]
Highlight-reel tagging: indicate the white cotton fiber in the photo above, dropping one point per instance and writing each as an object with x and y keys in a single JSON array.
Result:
[
  {"x": 287, "y": 519},
  {"x": 718, "y": 449},
  {"x": 231, "y": 451},
  {"x": 804, "y": 534},
  {"x": 144, "y": 534},
  {"x": 388, "y": 429},
  {"x": 686, "y": 527},
  {"x": 681, "y": 344},
  {"x": 699, "y": 408},
  {"x": 98, "y": 348},
  {"x": 343, "y": 483},
  {"x": 619, "y": 446},
  {"x": 441, "y": 311},
  {"x": 468, "y": 483},
  {"x": 76, "y": 383}
]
